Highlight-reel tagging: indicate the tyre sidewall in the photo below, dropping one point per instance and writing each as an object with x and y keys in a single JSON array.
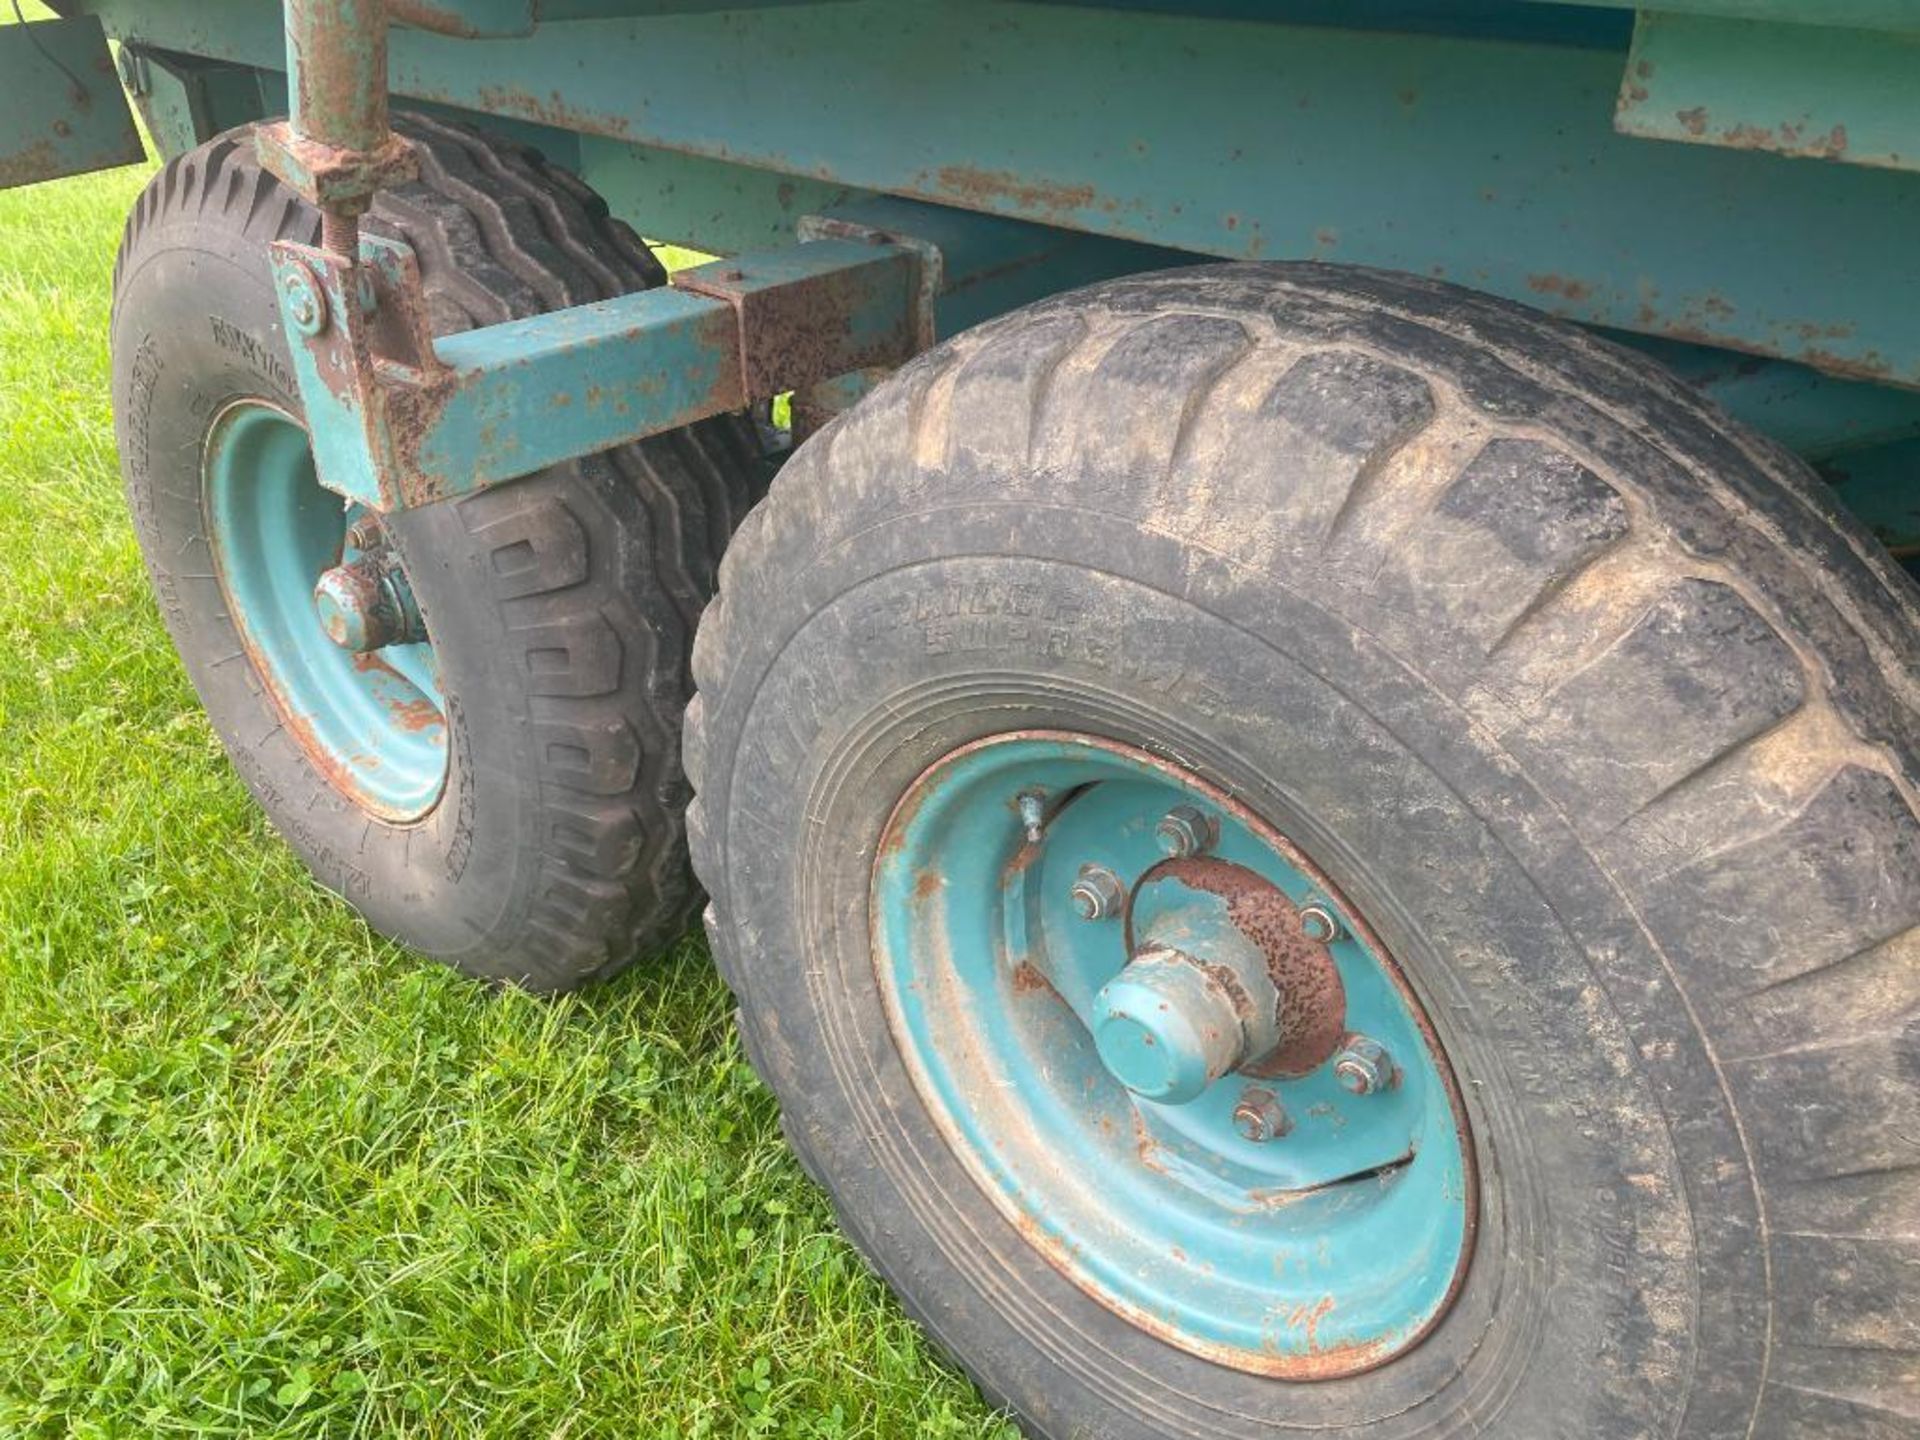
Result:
[
  {"x": 1585, "y": 1263},
  {"x": 207, "y": 335}
]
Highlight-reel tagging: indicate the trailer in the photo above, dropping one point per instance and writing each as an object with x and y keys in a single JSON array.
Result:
[{"x": 1278, "y": 637}]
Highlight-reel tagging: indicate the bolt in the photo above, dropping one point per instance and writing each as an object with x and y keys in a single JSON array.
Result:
[
  {"x": 1098, "y": 893},
  {"x": 1260, "y": 1116},
  {"x": 1183, "y": 831},
  {"x": 365, "y": 534},
  {"x": 340, "y": 234},
  {"x": 1363, "y": 1066},
  {"x": 1033, "y": 814},
  {"x": 307, "y": 304},
  {"x": 133, "y": 72},
  {"x": 1320, "y": 924}
]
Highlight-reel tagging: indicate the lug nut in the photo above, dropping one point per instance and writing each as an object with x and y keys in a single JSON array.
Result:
[
  {"x": 365, "y": 534},
  {"x": 1260, "y": 1116},
  {"x": 1098, "y": 893},
  {"x": 1184, "y": 832},
  {"x": 1319, "y": 924},
  {"x": 1363, "y": 1066}
]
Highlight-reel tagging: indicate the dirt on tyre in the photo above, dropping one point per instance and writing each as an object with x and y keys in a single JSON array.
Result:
[
  {"x": 497, "y": 781},
  {"x": 1557, "y": 740}
]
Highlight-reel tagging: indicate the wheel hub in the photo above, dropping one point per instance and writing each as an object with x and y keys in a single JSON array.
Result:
[
  {"x": 1098, "y": 965},
  {"x": 1222, "y": 978},
  {"x": 324, "y": 612}
]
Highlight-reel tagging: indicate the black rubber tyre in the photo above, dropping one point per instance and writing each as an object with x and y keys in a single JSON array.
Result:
[
  {"x": 561, "y": 607},
  {"x": 1590, "y": 699}
]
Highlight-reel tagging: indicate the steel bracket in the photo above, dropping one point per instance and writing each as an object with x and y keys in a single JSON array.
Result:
[
  {"x": 400, "y": 419},
  {"x": 799, "y": 321},
  {"x": 334, "y": 177}
]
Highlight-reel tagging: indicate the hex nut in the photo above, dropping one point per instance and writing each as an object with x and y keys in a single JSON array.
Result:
[
  {"x": 1098, "y": 893},
  {"x": 1185, "y": 831},
  {"x": 306, "y": 301},
  {"x": 1363, "y": 1066},
  {"x": 1260, "y": 1117}
]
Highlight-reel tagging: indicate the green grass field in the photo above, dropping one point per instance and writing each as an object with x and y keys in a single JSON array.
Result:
[{"x": 266, "y": 1174}]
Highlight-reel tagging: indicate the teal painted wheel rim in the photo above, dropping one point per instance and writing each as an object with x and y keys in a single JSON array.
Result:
[
  {"x": 374, "y": 724},
  {"x": 1277, "y": 1222}
]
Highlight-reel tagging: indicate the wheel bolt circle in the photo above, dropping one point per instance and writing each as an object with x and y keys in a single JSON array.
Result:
[
  {"x": 352, "y": 609},
  {"x": 1098, "y": 893},
  {"x": 1166, "y": 1028}
]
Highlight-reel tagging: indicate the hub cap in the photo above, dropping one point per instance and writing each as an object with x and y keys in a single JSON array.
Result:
[
  {"x": 1211, "y": 1098},
  {"x": 348, "y": 665}
]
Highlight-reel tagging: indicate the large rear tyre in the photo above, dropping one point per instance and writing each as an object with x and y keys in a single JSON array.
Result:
[
  {"x": 497, "y": 782},
  {"x": 1436, "y": 643}
]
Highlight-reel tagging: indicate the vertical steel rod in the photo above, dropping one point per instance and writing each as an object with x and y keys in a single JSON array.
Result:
[{"x": 337, "y": 66}]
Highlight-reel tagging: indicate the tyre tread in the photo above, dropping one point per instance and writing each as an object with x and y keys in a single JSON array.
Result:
[
  {"x": 1772, "y": 599},
  {"x": 614, "y": 555}
]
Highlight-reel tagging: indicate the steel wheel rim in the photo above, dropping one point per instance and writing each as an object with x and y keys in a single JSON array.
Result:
[
  {"x": 1321, "y": 1251},
  {"x": 375, "y": 723}
]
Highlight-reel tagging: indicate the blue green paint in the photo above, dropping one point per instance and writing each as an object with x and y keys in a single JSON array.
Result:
[
  {"x": 1824, "y": 92},
  {"x": 1343, "y": 1237},
  {"x": 62, "y": 111},
  {"x": 1490, "y": 163},
  {"x": 375, "y": 725}
]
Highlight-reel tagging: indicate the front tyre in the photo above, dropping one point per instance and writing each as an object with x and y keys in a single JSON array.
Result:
[
  {"x": 1278, "y": 825},
  {"x": 466, "y": 719}
]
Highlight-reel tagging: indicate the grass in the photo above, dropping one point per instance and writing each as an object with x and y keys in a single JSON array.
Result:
[{"x": 268, "y": 1175}]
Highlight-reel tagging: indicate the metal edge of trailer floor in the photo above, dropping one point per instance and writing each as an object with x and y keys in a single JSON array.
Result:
[
  {"x": 1136, "y": 125},
  {"x": 1827, "y": 93}
]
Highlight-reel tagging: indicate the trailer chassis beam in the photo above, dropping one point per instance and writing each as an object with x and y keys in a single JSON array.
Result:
[{"x": 400, "y": 419}]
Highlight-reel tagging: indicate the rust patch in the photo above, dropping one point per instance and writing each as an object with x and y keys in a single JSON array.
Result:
[
  {"x": 553, "y": 109},
  {"x": 1029, "y": 979},
  {"x": 417, "y": 716},
  {"x": 39, "y": 161},
  {"x": 1786, "y": 138},
  {"x": 1312, "y": 1016},
  {"x": 806, "y": 329},
  {"x": 989, "y": 189},
  {"x": 1564, "y": 286}
]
